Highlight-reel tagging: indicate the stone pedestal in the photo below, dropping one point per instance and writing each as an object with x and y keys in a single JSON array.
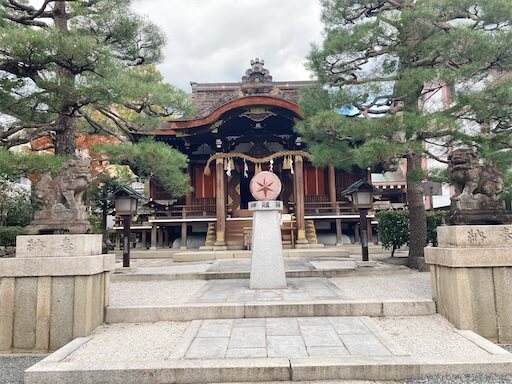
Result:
[
  {"x": 54, "y": 290},
  {"x": 267, "y": 264},
  {"x": 471, "y": 272}
]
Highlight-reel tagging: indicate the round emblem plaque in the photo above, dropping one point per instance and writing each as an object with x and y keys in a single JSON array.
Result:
[{"x": 265, "y": 186}]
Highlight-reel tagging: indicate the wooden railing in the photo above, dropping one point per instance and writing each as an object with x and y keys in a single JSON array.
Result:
[
  {"x": 198, "y": 208},
  {"x": 322, "y": 208}
]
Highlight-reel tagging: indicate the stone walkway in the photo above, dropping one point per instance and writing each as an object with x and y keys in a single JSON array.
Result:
[{"x": 284, "y": 337}]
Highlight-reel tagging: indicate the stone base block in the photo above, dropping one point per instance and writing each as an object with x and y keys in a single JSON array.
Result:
[
  {"x": 471, "y": 284},
  {"x": 475, "y": 236},
  {"x": 44, "y": 308},
  {"x": 58, "y": 245},
  {"x": 479, "y": 216}
]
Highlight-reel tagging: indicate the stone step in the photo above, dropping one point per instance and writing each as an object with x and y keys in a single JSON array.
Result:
[
  {"x": 240, "y": 310},
  {"x": 183, "y": 256},
  {"x": 258, "y": 370},
  {"x": 201, "y": 353}
]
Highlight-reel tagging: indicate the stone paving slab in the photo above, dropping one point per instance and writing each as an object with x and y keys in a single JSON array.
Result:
[
  {"x": 285, "y": 337},
  {"x": 307, "y": 289},
  {"x": 293, "y": 264}
]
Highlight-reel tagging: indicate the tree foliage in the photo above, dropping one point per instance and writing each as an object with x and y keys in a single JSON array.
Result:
[
  {"x": 383, "y": 67},
  {"x": 16, "y": 164},
  {"x": 152, "y": 159},
  {"x": 66, "y": 65}
]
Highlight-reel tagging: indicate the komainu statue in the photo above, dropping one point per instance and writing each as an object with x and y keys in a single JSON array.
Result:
[
  {"x": 61, "y": 200},
  {"x": 478, "y": 190}
]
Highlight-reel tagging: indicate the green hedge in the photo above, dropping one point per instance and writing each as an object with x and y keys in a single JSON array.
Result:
[
  {"x": 8, "y": 235},
  {"x": 394, "y": 232}
]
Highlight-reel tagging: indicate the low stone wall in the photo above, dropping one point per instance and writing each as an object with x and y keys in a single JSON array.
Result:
[
  {"x": 471, "y": 273},
  {"x": 45, "y": 302}
]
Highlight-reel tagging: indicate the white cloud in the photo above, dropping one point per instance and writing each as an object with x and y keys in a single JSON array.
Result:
[{"x": 214, "y": 40}]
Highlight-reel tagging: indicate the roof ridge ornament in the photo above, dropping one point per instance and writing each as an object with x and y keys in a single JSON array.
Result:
[{"x": 257, "y": 73}]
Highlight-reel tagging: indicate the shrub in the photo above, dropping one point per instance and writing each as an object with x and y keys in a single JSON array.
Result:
[
  {"x": 8, "y": 235},
  {"x": 17, "y": 207},
  {"x": 394, "y": 228},
  {"x": 434, "y": 220}
]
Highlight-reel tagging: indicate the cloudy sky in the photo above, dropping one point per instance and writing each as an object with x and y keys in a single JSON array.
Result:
[{"x": 214, "y": 40}]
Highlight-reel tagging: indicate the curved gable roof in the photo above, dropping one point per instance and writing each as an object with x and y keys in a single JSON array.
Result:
[{"x": 170, "y": 127}]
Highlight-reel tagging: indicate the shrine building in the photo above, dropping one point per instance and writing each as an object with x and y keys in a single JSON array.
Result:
[{"x": 239, "y": 130}]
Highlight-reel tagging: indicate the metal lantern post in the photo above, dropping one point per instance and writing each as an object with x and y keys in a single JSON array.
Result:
[
  {"x": 361, "y": 194},
  {"x": 126, "y": 200}
]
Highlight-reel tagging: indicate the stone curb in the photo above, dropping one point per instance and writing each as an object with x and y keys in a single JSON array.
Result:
[
  {"x": 130, "y": 277},
  {"x": 262, "y": 369},
  {"x": 203, "y": 311}
]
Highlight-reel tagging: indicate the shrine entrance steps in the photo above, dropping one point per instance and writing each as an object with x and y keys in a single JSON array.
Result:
[{"x": 366, "y": 325}]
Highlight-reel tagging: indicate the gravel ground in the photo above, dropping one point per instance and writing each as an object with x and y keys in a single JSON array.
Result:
[
  {"x": 131, "y": 342},
  {"x": 463, "y": 379},
  {"x": 424, "y": 336},
  {"x": 414, "y": 285},
  {"x": 156, "y": 293},
  {"x": 12, "y": 367}
]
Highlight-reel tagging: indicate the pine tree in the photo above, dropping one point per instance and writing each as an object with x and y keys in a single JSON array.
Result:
[
  {"x": 380, "y": 66},
  {"x": 68, "y": 65}
]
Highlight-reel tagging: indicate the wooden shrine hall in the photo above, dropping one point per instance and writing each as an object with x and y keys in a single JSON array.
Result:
[{"x": 241, "y": 129}]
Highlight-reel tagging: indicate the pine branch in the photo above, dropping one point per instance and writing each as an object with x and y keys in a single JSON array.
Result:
[
  {"x": 437, "y": 158},
  {"x": 100, "y": 127},
  {"x": 30, "y": 14}
]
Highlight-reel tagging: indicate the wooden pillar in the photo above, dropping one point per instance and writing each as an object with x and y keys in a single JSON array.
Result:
[
  {"x": 332, "y": 185},
  {"x": 370, "y": 231},
  {"x": 126, "y": 240},
  {"x": 143, "y": 239},
  {"x": 183, "y": 242},
  {"x": 160, "y": 237},
  {"x": 153, "y": 236},
  {"x": 332, "y": 200},
  {"x": 165, "y": 237},
  {"x": 220, "y": 197},
  {"x": 299, "y": 201},
  {"x": 118, "y": 240},
  {"x": 339, "y": 234},
  {"x": 188, "y": 196}
]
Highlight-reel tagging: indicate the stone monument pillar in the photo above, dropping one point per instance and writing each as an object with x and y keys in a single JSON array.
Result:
[{"x": 267, "y": 264}]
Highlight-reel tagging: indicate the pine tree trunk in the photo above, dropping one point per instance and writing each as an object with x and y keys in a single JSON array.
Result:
[
  {"x": 417, "y": 216},
  {"x": 65, "y": 134},
  {"x": 65, "y": 140}
]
